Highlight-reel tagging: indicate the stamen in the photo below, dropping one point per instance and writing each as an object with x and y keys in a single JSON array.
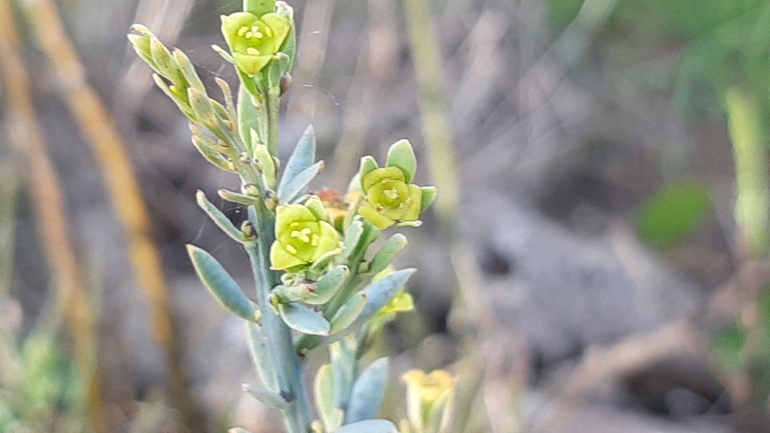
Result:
[
  {"x": 252, "y": 51},
  {"x": 314, "y": 240},
  {"x": 258, "y": 35},
  {"x": 242, "y": 31},
  {"x": 249, "y": 35},
  {"x": 291, "y": 249},
  {"x": 295, "y": 224},
  {"x": 391, "y": 194}
]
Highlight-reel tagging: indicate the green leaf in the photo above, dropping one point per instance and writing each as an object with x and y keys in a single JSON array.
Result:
[
  {"x": 303, "y": 319},
  {"x": 291, "y": 189},
  {"x": 218, "y": 217},
  {"x": 394, "y": 245},
  {"x": 221, "y": 284},
  {"x": 368, "y": 392},
  {"x": 728, "y": 344},
  {"x": 369, "y": 426},
  {"x": 348, "y": 313},
  {"x": 324, "y": 396},
  {"x": 267, "y": 397},
  {"x": 401, "y": 155},
  {"x": 301, "y": 159},
  {"x": 673, "y": 213}
]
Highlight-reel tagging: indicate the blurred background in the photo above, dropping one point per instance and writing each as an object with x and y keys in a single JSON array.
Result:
[{"x": 596, "y": 262}]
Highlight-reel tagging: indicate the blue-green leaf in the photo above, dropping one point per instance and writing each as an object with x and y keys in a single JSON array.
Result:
[
  {"x": 218, "y": 217},
  {"x": 349, "y": 312},
  {"x": 297, "y": 186},
  {"x": 267, "y": 397},
  {"x": 387, "y": 253},
  {"x": 303, "y": 319},
  {"x": 262, "y": 356},
  {"x": 301, "y": 159},
  {"x": 221, "y": 284},
  {"x": 369, "y": 426},
  {"x": 368, "y": 391},
  {"x": 352, "y": 237}
]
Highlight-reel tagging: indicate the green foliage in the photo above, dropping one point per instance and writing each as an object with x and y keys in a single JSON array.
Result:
[{"x": 672, "y": 213}]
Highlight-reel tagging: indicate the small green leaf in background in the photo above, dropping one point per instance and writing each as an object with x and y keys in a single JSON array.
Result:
[
  {"x": 728, "y": 345},
  {"x": 673, "y": 213}
]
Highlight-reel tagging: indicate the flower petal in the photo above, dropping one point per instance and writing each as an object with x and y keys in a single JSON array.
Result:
[
  {"x": 414, "y": 204},
  {"x": 282, "y": 259},
  {"x": 328, "y": 241},
  {"x": 381, "y": 221},
  {"x": 375, "y": 177},
  {"x": 286, "y": 215}
]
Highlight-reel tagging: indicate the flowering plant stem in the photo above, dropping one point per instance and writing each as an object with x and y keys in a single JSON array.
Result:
[{"x": 309, "y": 256}]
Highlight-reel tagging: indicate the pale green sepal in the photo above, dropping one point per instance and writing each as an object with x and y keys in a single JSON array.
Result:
[
  {"x": 221, "y": 284},
  {"x": 262, "y": 356},
  {"x": 248, "y": 120},
  {"x": 355, "y": 183},
  {"x": 401, "y": 155},
  {"x": 368, "y": 165},
  {"x": 239, "y": 198},
  {"x": 368, "y": 391},
  {"x": 428, "y": 197},
  {"x": 352, "y": 237},
  {"x": 289, "y": 190},
  {"x": 331, "y": 416},
  {"x": 317, "y": 207},
  {"x": 302, "y": 157},
  {"x": 387, "y": 253},
  {"x": 303, "y": 319},
  {"x": 328, "y": 286},
  {"x": 321, "y": 263},
  {"x": 218, "y": 217},
  {"x": 369, "y": 426},
  {"x": 264, "y": 395},
  {"x": 348, "y": 313},
  {"x": 259, "y": 7}
]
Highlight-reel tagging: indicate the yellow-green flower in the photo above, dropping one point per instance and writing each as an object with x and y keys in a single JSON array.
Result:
[
  {"x": 390, "y": 197},
  {"x": 428, "y": 399},
  {"x": 254, "y": 40},
  {"x": 301, "y": 238}
]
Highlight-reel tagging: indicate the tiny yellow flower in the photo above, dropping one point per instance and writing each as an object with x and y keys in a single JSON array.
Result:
[
  {"x": 301, "y": 238},
  {"x": 428, "y": 399},
  {"x": 254, "y": 40}
]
